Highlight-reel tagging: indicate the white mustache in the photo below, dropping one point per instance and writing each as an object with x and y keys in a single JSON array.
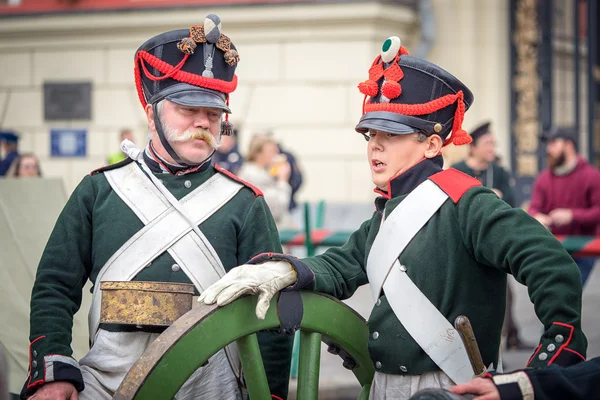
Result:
[{"x": 191, "y": 134}]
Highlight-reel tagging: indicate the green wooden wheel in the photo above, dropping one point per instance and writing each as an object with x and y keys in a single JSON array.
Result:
[{"x": 172, "y": 358}]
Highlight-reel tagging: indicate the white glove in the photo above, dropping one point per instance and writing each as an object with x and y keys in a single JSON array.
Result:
[{"x": 263, "y": 279}]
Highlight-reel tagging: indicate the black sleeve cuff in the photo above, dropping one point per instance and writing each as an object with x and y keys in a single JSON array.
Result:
[
  {"x": 55, "y": 369},
  {"x": 509, "y": 391},
  {"x": 305, "y": 275}
]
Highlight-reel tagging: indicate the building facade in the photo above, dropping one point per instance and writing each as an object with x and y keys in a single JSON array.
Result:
[{"x": 300, "y": 65}]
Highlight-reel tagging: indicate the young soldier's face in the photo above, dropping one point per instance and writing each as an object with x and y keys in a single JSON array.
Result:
[
  {"x": 193, "y": 132},
  {"x": 390, "y": 155}
]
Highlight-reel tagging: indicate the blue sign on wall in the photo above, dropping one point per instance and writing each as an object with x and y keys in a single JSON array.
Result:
[{"x": 68, "y": 142}]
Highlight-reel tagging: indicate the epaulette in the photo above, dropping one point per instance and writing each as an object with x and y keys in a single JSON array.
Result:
[
  {"x": 111, "y": 166},
  {"x": 257, "y": 192},
  {"x": 454, "y": 183}
]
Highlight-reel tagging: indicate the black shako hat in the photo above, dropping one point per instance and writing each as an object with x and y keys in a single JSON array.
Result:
[
  {"x": 407, "y": 94},
  {"x": 194, "y": 67},
  {"x": 191, "y": 67}
]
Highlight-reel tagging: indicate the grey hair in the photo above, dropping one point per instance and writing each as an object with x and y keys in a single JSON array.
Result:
[{"x": 159, "y": 110}]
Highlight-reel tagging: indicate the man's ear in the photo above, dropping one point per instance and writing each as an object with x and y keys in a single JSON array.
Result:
[
  {"x": 434, "y": 146},
  {"x": 150, "y": 116}
]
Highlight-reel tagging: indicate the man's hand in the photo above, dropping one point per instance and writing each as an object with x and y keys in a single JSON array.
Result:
[
  {"x": 485, "y": 389},
  {"x": 561, "y": 216},
  {"x": 264, "y": 280},
  {"x": 56, "y": 391},
  {"x": 543, "y": 219}
]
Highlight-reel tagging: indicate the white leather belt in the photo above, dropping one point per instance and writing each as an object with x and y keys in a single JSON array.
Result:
[
  {"x": 165, "y": 230},
  {"x": 423, "y": 321}
]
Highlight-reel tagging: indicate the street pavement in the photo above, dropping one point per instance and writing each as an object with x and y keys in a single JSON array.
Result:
[{"x": 335, "y": 382}]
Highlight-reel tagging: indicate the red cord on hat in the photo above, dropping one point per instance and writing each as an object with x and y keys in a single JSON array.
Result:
[
  {"x": 175, "y": 72},
  {"x": 370, "y": 87},
  {"x": 459, "y": 135}
]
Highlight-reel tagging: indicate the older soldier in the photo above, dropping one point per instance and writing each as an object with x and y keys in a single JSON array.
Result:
[
  {"x": 438, "y": 246},
  {"x": 165, "y": 215}
]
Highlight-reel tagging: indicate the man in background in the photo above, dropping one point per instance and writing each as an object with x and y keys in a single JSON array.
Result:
[
  {"x": 9, "y": 142},
  {"x": 566, "y": 196},
  {"x": 481, "y": 164},
  {"x": 118, "y": 156}
]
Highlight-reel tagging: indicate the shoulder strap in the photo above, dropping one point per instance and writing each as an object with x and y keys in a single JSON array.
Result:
[
  {"x": 454, "y": 183},
  {"x": 399, "y": 228},
  {"x": 165, "y": 230},
  {"x": 111, "y": 166},
  {"x": 419, "y": 316},
  {"x": 257, "y": 191}
]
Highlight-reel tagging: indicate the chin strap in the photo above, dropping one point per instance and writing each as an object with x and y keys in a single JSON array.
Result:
[{"x": 164, "y": 141}]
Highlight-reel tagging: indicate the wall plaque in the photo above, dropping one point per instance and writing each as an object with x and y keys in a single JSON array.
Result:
[
  {"x": 65, "y": 101},
  {"x": 68, "y": 142}
]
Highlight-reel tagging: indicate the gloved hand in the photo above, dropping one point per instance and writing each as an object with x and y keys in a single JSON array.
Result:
[{"x": 263, "y": 279}]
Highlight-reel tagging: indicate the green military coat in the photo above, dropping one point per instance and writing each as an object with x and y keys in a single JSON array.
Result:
[
  {"x": 460, "y": 260},
  {"x": 94, "y": 224}
]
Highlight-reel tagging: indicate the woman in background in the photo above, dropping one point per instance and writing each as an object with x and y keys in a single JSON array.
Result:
[
  {"x": 26, "y": 166},
  {"x": 267, "y": 169}
]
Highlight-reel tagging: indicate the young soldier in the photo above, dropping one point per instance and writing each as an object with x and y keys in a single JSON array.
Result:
[
  {"x": 438, "y": 246},
  {"x": 163, "y": 215}
]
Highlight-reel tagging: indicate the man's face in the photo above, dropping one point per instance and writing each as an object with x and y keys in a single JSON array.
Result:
[
  {"x": 390, "y": 155},
  {"x": 485, "y": 148},
  {"x": 556, "y": 151},
  {"x": 193, "y": 132}
]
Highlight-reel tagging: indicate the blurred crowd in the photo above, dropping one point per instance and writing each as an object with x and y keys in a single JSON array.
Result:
[
  {"x": 14, "y": 164},
  {"x": 267, "y": 166}
]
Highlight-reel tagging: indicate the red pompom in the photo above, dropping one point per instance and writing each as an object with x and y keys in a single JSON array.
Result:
[
  {"x": 369, "y": 88},
  {"x": 391, "y": 89},
  {"x": 461, "y": 137}
]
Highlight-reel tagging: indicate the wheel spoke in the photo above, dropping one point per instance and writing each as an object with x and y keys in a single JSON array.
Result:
[
  {"x": 309, "y": 364},
  {"x": 252, "y": 365},
  {"x": 364, "y": 393}
]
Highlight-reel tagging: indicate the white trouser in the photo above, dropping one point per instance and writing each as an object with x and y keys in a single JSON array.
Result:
[
  {"x": 114, "y": 353},
  {"x": 401, "y": 387}
]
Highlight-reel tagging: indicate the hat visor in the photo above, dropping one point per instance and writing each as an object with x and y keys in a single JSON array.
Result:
[
  {"x": 383, "y": 121},
  {"x": 194, "y": 96}
]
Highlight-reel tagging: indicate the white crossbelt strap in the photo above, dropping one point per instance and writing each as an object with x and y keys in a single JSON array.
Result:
[
  {"x": 423, "y": 321},
  {"x": 165, "y": 230}
]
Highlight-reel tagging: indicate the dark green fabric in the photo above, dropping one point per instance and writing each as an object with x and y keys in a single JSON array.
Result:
[
  {"x": 500, "y": 179},
  {"x": 95, "y": 223},
  {"x": 459, "y": 260}
]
